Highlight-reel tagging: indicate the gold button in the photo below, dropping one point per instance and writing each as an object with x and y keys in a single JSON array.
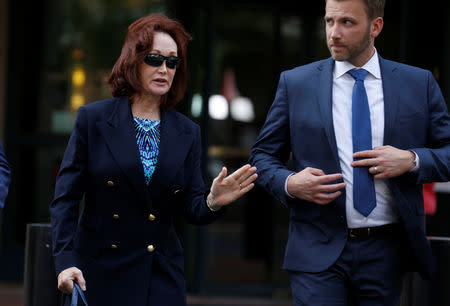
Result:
[
  {"x": 110, "y": 183},
  {"x": 150, "y": 248},
  {"x": 116, "y": 217},
  {"x": 151, "y": 217},
  {"x": 113, "y": 246}
]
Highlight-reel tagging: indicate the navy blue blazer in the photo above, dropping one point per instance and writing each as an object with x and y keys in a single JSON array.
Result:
[
  {"x": 300, "y": 121},
  {"x": 5, "y": 177},
  {"x": 126, "y": 228}
]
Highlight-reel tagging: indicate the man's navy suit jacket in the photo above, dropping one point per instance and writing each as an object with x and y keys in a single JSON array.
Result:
[{"x": 300, "y": 121}]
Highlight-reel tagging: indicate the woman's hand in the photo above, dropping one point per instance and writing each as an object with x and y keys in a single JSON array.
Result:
[
  {"x": 67, "y": 277},
  {"x": 226, "y": 189}
]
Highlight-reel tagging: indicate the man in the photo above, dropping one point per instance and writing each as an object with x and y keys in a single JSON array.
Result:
[
  {"x": 5, "y": 177},
  {"x": 362, "y": 142}
]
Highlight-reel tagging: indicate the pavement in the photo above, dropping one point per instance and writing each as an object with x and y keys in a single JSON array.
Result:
[{"x": 12, "y": 295}]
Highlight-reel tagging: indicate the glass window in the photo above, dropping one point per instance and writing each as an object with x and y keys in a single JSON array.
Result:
[{"x": 83, "y": 39}]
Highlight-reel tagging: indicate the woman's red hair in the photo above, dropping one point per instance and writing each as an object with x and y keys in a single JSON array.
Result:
[{"x": 124, "y": 79}]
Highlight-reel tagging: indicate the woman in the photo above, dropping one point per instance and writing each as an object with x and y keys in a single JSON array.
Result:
[{"x": 137, "y": 163}]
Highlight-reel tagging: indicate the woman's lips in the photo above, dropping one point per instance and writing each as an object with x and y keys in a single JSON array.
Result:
[{"x": 160, "y": 81}]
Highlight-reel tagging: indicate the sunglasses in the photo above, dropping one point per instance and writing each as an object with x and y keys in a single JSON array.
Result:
[{"x": 156, "y": 60}]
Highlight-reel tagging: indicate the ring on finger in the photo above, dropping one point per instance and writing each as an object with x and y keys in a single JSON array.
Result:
[
  {"x": 240, "y": 186},
  {"x": 375, "y": 169}
]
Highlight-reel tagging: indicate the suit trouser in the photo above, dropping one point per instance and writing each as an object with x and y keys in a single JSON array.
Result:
[{"x": 369, "y": 272}]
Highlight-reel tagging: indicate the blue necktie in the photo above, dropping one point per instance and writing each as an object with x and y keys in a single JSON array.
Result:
[{"x": 364, "y": 199}]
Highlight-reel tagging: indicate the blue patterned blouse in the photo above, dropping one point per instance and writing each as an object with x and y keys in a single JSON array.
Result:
[{"x": 148, "y": 138}]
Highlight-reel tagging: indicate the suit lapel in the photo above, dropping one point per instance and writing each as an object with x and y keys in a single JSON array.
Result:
[
  {"x": 325, "y": 99},
  {"x": 120, "y": 137},
  {"x": 176, "y": 139},
  {"x": 390, "y": 95}
]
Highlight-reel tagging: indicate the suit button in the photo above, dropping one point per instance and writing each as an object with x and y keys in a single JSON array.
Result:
[
  {"x": 110, "y": 183},
  {"x": 176, "y": 192},
  {"x": 150, "y": 248},
  {"x": 113, "y": 246},
  {"x": 116, "y": 217},
  {"x": 151, "y": 217}
]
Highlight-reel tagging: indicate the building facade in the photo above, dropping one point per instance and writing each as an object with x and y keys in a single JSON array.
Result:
[{"x": 55, "y": 55}]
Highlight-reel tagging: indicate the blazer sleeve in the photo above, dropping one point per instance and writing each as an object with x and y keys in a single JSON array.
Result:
[
  {"x": 272, "y": 148},
  {"x": 69, "y": 190},
  {"x": 195, "y": 209},
  {"x": 5, "y": 177},
  {"x": 435, "y": 157}
]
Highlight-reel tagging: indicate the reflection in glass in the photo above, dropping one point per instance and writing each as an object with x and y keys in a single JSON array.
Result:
[{"x": 218, "y": 107}]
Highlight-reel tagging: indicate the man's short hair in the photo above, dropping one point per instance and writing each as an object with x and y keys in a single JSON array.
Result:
[{"x": 374, "y": 8}]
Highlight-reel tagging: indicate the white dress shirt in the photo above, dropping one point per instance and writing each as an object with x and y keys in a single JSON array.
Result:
[{"x": 343, "y": 83}]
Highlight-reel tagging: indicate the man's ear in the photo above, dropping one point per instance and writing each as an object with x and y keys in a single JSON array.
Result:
[{"x": 376, "y": 27}]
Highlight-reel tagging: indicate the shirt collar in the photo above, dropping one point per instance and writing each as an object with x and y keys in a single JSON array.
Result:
[{"x": 372, "y": 66}]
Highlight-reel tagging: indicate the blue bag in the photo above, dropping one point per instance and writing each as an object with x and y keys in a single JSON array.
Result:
[{"x": 77, "y": 291}]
